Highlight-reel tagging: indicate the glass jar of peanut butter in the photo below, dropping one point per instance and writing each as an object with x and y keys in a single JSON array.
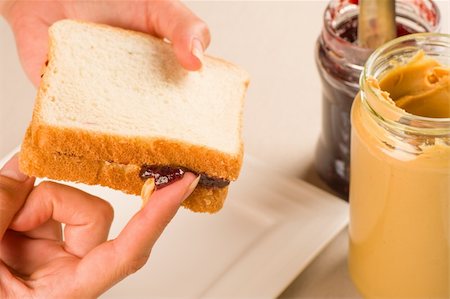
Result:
[
  {"x": 400, "y": 171},
  {"x": 340, "y": 61}
]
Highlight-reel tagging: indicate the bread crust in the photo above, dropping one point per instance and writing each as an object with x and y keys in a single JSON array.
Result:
[
  {"x": 41, "y": 163},
  {"x": 135, "y": 150}
]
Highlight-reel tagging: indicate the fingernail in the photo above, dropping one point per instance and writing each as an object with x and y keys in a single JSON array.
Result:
[
  {"x": 197, "y": 49},
  {"x": 191, "y": 187},
  {"x": 12, "y": 171},
  {"x": 147, "y": 190}
]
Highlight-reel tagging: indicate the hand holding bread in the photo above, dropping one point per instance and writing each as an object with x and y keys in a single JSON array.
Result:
[
  {"x": 79, "y": 261},
  {"x": 171, "y": 20},
  {"x": 38, "y": 259}
]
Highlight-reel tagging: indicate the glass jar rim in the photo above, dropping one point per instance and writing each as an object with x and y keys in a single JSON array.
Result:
[
  {"x": 363, "y": 52},
  {"x": 350, "y": 47},
  {"x": 398, "y": 118}
]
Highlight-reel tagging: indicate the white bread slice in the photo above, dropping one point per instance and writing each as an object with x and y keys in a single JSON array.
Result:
[{"x": 117, "y": 96}]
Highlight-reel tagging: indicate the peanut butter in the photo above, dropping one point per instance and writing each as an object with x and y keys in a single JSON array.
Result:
[
  {"x": 420, "y": 87},
  {"x": 400, "y": 185}
]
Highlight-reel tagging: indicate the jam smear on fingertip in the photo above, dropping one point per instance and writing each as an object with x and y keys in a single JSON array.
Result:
[{"x": 166, "y": 175}]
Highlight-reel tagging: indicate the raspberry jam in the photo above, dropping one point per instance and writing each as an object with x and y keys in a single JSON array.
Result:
[
  {"x": 340, "y": 61},
  {"x": 163, "y": 175},
  {"x": 166, "y": 175}
]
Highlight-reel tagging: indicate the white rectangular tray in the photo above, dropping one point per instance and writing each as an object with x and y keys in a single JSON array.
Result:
[{"x": 269, "y": 230}]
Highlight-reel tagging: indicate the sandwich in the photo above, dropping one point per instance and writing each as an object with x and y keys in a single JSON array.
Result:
[{"x": 115, "y": 108}]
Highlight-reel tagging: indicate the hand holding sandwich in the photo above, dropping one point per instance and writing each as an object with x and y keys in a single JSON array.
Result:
[
  {"x": 150, "y": 125},
  {"x": 37, "y": 262},
  {"x": 30, "y": 21}
]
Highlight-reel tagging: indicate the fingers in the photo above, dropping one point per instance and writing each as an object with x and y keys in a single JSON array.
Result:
[
  {"x": 50, "y": 230},
  {"x": 29, "y": 21},
  {"x": 112, "y": 261},
  {"x": 189, "y": 35},
  {"x": 28, "y": 251},
  {"x": 170, "y": 19},
  {"x": 87, "y": 217},
  {"x": 33, "y": 55},
  {"x": 14, "y": 189},
  {"x": 32, "y": 45},
  {"x": 25, "y": 252},
  {"x": 26, "y": 255},
  {"x": 10, "y": 286},
  {"x": 145, "y": 227}
]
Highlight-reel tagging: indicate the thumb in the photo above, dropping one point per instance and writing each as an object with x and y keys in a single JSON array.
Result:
[
  {"x": 189, "y": 43},
  {"x": 189, "y": 35},
  {"x": 14, "y": 189}
]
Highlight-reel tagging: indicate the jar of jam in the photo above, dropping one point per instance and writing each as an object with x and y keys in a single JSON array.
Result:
[
  {"x": 340, "y": 61},
  {"x": 400, "y": 171}
]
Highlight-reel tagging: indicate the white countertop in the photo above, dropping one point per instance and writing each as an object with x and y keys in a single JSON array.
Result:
[{"x": 274, "y": 41}]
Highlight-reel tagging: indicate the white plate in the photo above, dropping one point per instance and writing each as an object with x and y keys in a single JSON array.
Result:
[{"x": 269, "y": 230}]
